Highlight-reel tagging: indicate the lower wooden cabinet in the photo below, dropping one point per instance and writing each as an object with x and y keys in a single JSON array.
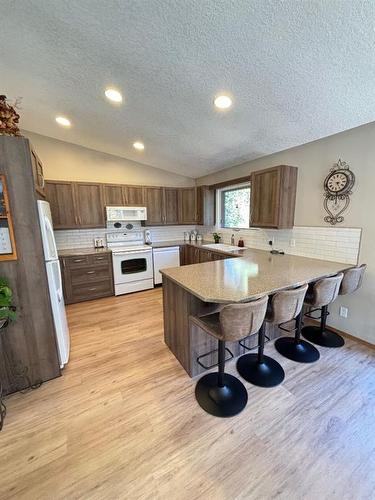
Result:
[
  {"x": 87, "y": 277},
  {"x": 196, "y": 255}
]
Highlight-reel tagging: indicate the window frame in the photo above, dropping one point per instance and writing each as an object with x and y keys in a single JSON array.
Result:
[{"x": 220, "y": 204}]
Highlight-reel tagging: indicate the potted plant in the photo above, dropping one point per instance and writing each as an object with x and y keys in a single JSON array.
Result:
[
  {"x": 217, "y": 237},
  {"x": 7, "y": 310}
]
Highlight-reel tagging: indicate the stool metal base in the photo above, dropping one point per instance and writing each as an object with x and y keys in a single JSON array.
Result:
[
  {"x": 325, "y": 339},
  {"x": 301, "y": 351},
  {"x": 224, "y": 401},
  {"x": 269, "y": 373}
]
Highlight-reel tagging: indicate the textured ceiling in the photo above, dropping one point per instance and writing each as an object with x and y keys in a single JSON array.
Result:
[{"x": 299, "y": 70}]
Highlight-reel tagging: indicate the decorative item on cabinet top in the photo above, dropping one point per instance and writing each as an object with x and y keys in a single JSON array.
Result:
[
  {"x": 7, "y": 240},
  {"x": 338, "y": 187},
  {"x": 9, "y": 117}
]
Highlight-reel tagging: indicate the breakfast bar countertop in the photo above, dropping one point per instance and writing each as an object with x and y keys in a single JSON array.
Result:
[{"x": 256, "y": 273}]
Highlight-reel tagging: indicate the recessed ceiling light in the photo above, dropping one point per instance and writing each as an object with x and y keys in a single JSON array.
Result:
[
  {"x": 61, "y": 120},
  {"x": 223, "y": 101},
  {"x": 139, "y": 146},
  {"x": 113, "y": 95}
]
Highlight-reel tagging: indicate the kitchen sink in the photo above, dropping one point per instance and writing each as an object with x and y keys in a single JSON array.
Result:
[{"x": 222, "y": 246}]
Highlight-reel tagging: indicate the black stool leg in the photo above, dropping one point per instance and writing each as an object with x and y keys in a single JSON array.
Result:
[
  {"x": 295, "y": 348},
  {"x": 320, "y": 335},
  {"x": 259, "y": 369},
  {"x": 221, "y": 394}
]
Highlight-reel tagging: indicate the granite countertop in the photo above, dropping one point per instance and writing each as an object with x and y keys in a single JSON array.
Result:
[
  {"x": 66, "y": 252},
  {"x": 255, "y": 274},
  {"x": 201, "y": 244}
]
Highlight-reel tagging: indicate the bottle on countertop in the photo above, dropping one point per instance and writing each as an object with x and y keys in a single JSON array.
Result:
[{"x": 232, "y": 240}]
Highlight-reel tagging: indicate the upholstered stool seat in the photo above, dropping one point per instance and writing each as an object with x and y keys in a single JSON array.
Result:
[
  {"x": 220, "y": 393},
  {"x": 295, "y": 348},
  {"x": 319, "y": 296},
  {"x": 262, "y": 370}
]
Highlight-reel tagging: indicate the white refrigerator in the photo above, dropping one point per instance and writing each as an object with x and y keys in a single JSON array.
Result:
[{"x": 54, "y": 282}]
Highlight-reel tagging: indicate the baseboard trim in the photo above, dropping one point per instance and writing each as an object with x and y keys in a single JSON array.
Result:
[{"x": 344, "y": 334}]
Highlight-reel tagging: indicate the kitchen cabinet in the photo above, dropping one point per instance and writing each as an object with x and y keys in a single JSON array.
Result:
[
  {"x": 60, "y": 196},
  {"x": 133, "y": 195},
  {"x": 205, "y": 206},
  {"x": 162, "y": 206},
  {"x": 154, "y": 199},
  {"x": 187, "y": 206},
  {"x": 75, "y": 204},
  {"x": 196, "y": 255},
  {"x": 171, "y": 205},
  {"x": 273, "y": 197},
  {"x": 113, "y": 195},
  {"x": 87, "y": 277},
  {"x": 89, "y": 204},
  {"x": 38, "y": 174}
]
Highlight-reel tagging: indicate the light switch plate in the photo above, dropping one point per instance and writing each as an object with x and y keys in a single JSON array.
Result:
[{"x": 344, "y": 312}]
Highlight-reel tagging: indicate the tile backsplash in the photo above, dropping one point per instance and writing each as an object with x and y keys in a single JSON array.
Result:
[
  {"x": 328, "y": 243},
  {"x": 78, "y": 238}
]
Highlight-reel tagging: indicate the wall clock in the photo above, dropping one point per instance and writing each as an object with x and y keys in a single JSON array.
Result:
[{"x": 338, "y": 187}]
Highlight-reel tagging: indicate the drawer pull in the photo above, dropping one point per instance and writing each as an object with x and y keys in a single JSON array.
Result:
[
  {"x": 90, "y": 272},
  {"x": 78, "y": 260},
  {"x": 92, "y": 289},
  {"x": 99, "y": 258}
]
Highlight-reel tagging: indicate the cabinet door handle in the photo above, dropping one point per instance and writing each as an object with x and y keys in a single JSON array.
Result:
[{"x": 90, "y": 272}]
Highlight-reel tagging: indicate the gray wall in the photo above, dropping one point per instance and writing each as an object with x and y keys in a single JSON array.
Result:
[{"x": 357, "y": 147}]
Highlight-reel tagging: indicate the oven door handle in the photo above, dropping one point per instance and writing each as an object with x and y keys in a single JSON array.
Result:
[{"x": 131, "y": 252}]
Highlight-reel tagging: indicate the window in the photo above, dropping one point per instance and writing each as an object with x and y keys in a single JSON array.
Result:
[{"x": 234, "y": 205}]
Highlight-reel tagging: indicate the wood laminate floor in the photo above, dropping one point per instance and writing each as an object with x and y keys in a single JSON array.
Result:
[{"x": 122, "y": 422}]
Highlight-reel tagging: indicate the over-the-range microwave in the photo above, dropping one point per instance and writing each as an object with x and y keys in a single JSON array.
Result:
[{"x": 115, "y": 214}]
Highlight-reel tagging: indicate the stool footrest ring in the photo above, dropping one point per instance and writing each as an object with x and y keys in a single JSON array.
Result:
[{"x": 215, "y": 364}]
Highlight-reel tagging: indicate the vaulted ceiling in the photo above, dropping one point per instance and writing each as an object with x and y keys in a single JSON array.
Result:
[{"x": 297, "y": 71}]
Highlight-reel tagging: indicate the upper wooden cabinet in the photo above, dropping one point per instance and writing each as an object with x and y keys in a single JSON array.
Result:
[
  {"x": 75, "y": 204},
  {"x": 187, "y": 206},
  {"x": 205, "y": 206},
  {"x": 38, "y": 174},
  {"x": 164, "y": 206},
  {"x": 113, "y": 195},
  {"x": 89, "y": 204},
  {"x": 82, "y": 204},
  {"x": 60, "y": 196},
  {"x": 171, "y": 206},
  {"x": 154, "y": 201},
  {"x": 133, "y": 195},
  {"x": 273, "y": 197}
]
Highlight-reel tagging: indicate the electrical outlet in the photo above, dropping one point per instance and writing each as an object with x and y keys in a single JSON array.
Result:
[
  {"x": 292, "y": 242},
  {"x": 344, "y": 312}
]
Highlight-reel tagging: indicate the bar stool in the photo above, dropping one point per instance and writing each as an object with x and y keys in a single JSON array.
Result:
[
  {"x": 320, "y": 295},
  {"x": 295, "y": 348},
  {"x": 220, "y": 393},
  {"x": 262, "y": 370},
  {"x": 351, "y": 281}
]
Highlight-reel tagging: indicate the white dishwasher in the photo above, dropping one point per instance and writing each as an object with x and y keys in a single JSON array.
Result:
[{"x": 164, "y": 258}]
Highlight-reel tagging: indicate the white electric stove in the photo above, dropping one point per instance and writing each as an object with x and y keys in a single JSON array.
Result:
[{"x": 132, "y": 259}]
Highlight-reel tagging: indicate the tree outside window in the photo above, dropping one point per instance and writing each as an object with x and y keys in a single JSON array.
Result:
[{"x": 235, "y": 207}]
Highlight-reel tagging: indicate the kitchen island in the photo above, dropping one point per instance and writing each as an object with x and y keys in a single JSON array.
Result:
[{"x": 203, "y": 288}]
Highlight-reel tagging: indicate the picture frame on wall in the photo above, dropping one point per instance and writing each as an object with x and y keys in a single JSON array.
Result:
[{"x": 7, "y": 241}]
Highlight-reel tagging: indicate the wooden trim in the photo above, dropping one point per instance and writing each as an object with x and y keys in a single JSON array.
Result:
[
  {"x": 8, "y": 217},
  {"x": 231, "y": 182},
  {"x": 344, "y": 334}
]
